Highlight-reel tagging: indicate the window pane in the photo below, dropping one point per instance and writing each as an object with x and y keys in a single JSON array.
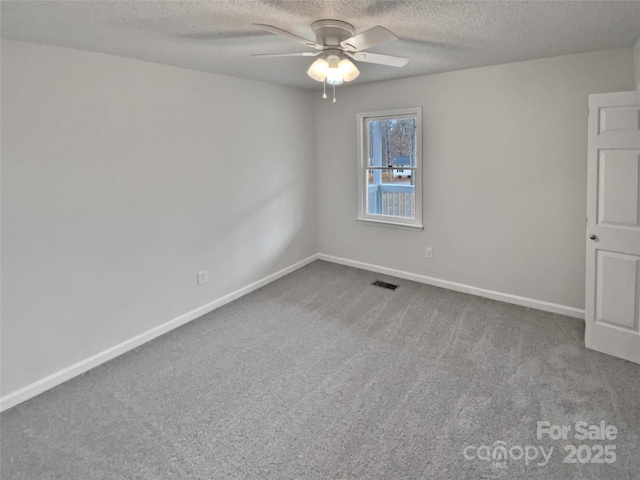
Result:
[
  {"x": 390, "y": 166},
  {"x": 391, "y": 142},
  {"x": 390, "y": 193}
]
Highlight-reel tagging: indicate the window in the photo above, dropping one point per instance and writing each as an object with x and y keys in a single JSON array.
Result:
[{"x": 390, "y": 174}]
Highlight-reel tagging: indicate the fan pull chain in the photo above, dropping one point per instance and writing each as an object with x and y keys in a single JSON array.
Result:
[
  {"x": 334, "y": 94},
  {"x": 324, "y": 89}
]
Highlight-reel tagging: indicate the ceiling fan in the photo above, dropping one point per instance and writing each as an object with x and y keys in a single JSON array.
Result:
[{"x": 335, "y": 42}]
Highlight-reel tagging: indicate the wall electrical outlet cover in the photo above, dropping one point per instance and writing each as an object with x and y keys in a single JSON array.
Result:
[
  {"x": 203, "y": 277},
  {"x": 429, "y": 252}
]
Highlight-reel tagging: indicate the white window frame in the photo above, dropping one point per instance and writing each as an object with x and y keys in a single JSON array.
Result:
[{"x": 363, "y": 160}]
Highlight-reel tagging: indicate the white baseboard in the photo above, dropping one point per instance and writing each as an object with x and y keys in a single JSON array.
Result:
[
  {"x": 459, "y": 287},
  {"x": 76, "y": 369}
]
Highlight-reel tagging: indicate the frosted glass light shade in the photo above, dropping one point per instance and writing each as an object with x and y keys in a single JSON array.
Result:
[
  {"x": 348, "y": 70},
  {"x": 335, "y": 73},
  {"x": 318, "y": 70}
]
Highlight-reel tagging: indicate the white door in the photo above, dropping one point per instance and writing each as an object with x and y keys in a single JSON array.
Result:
[{"x": 612, "y": 310}]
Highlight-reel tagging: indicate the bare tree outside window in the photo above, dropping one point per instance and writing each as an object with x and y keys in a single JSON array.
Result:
[{"x": 398, "y": 139}]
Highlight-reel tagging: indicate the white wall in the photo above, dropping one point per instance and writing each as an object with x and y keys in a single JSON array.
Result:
[
  {"x": 120, "y": 180},
  {"x": 505, "y": 169},
  {"x": 636, "y": 62}
]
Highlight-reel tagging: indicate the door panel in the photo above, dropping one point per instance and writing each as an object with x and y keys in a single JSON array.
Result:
[
  {"x": 618, "y": 184},
  {"x": 617, "y": 290},
  {"x": 612, "y": 296},
  {"x": 620, "y": 119}
]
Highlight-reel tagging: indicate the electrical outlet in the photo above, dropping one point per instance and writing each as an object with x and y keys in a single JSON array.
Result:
[
  {"x": 203, "y": 277},
  {"x": 429, "y": 252}
]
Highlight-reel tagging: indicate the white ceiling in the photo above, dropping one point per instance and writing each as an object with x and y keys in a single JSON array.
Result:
[{"x": 217, "y": 36}]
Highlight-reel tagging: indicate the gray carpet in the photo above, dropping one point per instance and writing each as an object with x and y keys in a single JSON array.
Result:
[{"x": 320, "y": 375}]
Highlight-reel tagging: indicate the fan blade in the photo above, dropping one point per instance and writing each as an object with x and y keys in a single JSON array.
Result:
[
  {"x": 289, "y": 35},
  {"x": 378, "y": 58},
  {"x": 297, "y": 54},
  {"x": 367, "y": 39}
]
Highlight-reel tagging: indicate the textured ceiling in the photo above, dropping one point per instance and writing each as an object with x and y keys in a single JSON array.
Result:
[{"x": 217, "y": 36}]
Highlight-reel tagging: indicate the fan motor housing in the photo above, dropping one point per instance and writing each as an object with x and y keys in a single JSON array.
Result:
[{"x": 332, "y": 32}]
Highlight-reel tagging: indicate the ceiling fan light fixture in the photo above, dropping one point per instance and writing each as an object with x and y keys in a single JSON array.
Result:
[
  {"x": 319, "y": 70},
  {"x": 334, "y": 76},
  {"x": 334, "y": 40},
  {"x": 348, "y": 70}
]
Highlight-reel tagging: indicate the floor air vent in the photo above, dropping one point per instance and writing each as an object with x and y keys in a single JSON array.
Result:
[{"x": 389, "y": 286}]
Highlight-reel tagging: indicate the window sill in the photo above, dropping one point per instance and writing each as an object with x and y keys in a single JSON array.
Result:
[{"x": 383, "y": 223}]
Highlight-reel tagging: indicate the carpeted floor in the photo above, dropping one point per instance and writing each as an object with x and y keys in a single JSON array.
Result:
[{"x": 320, "y": 375}]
